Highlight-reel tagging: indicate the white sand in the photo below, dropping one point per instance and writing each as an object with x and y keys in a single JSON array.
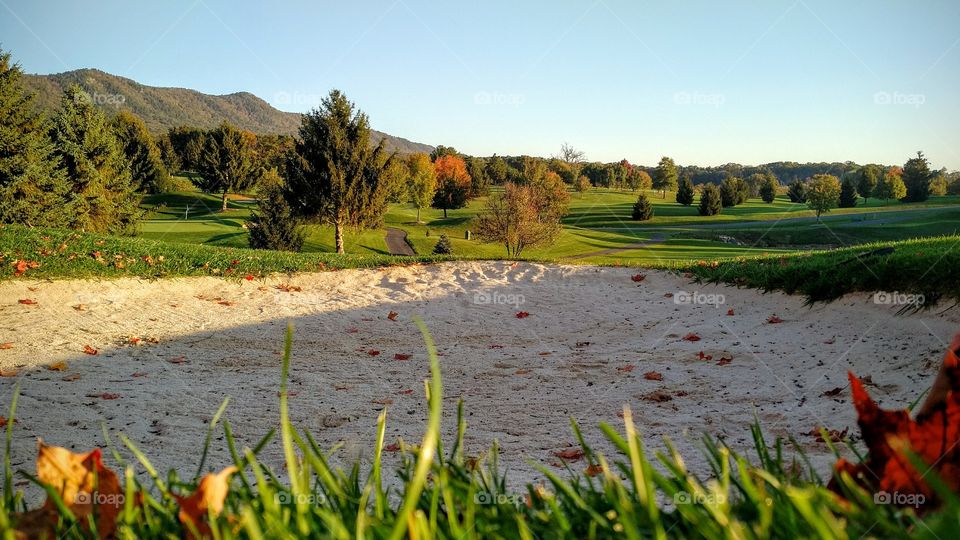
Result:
[{"x": 521, "y": 379}]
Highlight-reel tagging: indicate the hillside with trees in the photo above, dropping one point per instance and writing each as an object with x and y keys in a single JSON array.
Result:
[{"x": 164, "y": 108}]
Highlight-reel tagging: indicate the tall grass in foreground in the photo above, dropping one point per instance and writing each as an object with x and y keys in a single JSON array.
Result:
[{"x": 445, "y": 494}]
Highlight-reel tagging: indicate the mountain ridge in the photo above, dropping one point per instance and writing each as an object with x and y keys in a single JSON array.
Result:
[{"x": 162, "y": 108}]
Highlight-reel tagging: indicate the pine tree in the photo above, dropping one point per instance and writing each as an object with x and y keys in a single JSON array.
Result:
[
  {"x": 337, "y": 176},
  {"x": 768, "y": 188},
  {"x": 797, "y": 191},
  {"x": 33, "y": 187},
  {"x": 226, "y": 162},
  {"x": 102, "y": 197},
  {"x": 711, "y": 202},
  {"x": 733, "y": 191},
  {"x": 273, "y": 225},
  {"x": 642, "y": 209},
  {"x": 143, "y": 154},
  {"x": 443, "y": 246},
  {"x": 916, "y": 176},
  {"x": 848, "y": 194},
  {"x": 685, "y": 191}
]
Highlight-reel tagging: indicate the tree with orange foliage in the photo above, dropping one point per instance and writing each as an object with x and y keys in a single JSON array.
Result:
[{"x": 453, "y": 183}]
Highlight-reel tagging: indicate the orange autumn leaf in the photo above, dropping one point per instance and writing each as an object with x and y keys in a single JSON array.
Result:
[
  {"x": 570, "y": 454},
  {"x": 8, "y": 373},
  {"x": 209, "y": 497},
  {"x": 932, "y": 435},
  {"x": 7, "y": 345},
  {"x": 88, "y": 489},
  {"x": 89, "y": 350},
  {"x": 653, "y": 376},
  {"x": 392, "y": 315},
  {"x": 691, "y": 337},
  {"x": 27, "y": 301},
  {"x": 626, "y": 369},
  {"x": 593, "y": 470},
  {"x": 58, "y": 366}
]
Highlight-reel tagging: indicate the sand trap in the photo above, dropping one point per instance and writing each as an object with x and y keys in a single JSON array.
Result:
[{"x": 591, "y": 335}]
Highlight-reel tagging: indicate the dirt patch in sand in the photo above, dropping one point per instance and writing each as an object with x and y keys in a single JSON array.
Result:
[{"x": 168, "y": 352}]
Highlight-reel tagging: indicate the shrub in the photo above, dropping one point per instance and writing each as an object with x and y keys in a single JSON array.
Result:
[
  {"x": 768, "y": 189},
  {"x": 274, "y": 225},
  {"x": 443, "y": 247},
  {"x": 642, "y": 209},
  {"x": 711, "y": 203},
  {"x": 797, "y": 192}
]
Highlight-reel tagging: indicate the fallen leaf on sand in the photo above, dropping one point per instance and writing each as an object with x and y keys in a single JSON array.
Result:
[
  {"x": 27, "y": 301},
  {"x": 58, "y": 366},
  {"x": 3, "y": 421},
  {"x": 106, "y": 395},
  {"x": 833, "y": 392},
  {"x": 496, "y": 346},
  {"x": 80, "y": 307},
  {"x": 288, "y": 288},
  {"x": 401, "y": 356},
  {"x": 773, "y": 319},
  {"x": 72, "y": 377},
  {"x": 691, "y": 337},
  {"x": 593, "y": 470},
  {"x": 352, "y": 330},
  {"x": 207, "y": 499},
  {"x": 406, "y": 392},
  {"x": 703, "y": 356},
  {"x": 570, "y": 454},
  {"x": 583, "y": 344},
  {"x": 373, "y": 352},
  {"x": 522, "y": 314},
  {"x": 226, "y": 303},
  {"x": 830, "y": 341},
  {"x": 637, "y": 278},
  {"x": 724, "y": 360},
  {"x": 89, "y": 350},
  {"x": 7, "y": 345},
  {"x": 392, "y": 448},
  {"x": 522, "y": 371},
  {"x": 668, "y": 295},
  {"x": 835, "y": 435},
  {"x": 137, "y": 374},
  {"x": 8, "y": 373},
  {"x": 392, "y": 315},
  {"x": 385, "y": 401},
  {"x": 658, "y": 396},
  {"x": 729, "y": 313},
  {"x": 653, "y": 376},
  {"x": 178, "y": 360},
  {"x": 626, "y": 369}
]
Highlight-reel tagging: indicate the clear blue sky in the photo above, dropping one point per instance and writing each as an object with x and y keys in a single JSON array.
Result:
[{"x": 705, "y": 82}]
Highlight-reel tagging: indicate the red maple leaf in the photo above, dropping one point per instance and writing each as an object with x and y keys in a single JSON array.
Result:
[{"x": 932, "y": 435}]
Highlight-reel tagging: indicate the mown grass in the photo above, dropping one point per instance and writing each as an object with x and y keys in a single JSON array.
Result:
[
  {"x": 925, "y": 267},
  {"x": 443, "y": 493},
  {"x": 64, "y": 254}
]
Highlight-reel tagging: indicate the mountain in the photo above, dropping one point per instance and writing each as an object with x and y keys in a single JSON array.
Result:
[{"x": 164, "y": 108}]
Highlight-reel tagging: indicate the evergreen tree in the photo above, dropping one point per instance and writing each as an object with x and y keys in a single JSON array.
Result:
[
  {"x": 916, "y": 176},
  {"x": 797, "y": 191},
  {"x": 733, "y": 191},
  {"x": 443, "y": 246},
  {"x": 33, "y": 187},
  {"x": 226, "y": 162},
  {"x": 102, "y": 197},
  {"x": 685, "y": 191},
  {"x": 711, "y": 202},
  {"x": 336, "y": 177},
  {"x": 848, "y": 193},
  {"x": 274, "y": 225},
  {"x": 143, "y": 155},
  {"x": 642, "y": 209},
  {"x": 665, "y": 176},
  {"x": 768, "y": 188}
]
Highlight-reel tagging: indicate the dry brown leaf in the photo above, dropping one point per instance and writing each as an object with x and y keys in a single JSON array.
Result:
[
  {"x": 58, "y": 366},
  {"x": 208, "y": 498}
]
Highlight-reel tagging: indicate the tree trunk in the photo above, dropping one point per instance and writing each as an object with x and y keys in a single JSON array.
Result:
[
  {"x": 418, "y": 215},
  {"x": 338, "y": 236},
  {"x": 224, "y": 201},
  {"x": 444, "y": 212}
]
